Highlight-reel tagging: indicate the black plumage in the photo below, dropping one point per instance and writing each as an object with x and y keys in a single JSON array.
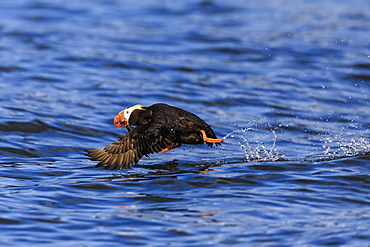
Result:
[{"x": 160, "y": 127}]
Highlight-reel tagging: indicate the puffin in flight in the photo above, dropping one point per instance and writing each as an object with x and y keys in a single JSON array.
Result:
[{"x": 159, "y": 128}]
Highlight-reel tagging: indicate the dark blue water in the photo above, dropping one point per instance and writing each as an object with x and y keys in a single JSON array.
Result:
[{"x": 286, "y": 82}]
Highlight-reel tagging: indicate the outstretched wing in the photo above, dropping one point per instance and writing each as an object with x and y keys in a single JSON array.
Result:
[{"x": 131, "y": 147}]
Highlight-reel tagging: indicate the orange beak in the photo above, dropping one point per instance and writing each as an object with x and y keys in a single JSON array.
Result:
[{"x": 120, "y": 120}]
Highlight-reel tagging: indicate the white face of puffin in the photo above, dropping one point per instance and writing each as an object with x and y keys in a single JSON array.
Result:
[{"x": 121, "y": 119}]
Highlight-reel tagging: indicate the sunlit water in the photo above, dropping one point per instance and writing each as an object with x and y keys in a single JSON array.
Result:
[{"x": 286, "y": 83}]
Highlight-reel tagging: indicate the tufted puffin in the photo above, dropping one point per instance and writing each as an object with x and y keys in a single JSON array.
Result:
[{"x": 159, "y": 128}]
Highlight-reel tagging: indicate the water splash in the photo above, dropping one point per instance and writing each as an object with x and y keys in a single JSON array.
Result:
[
  {"x": 232, "y": 133},
  {"x": 256, "y": 151},
  {"x": 345, "y": 144}
]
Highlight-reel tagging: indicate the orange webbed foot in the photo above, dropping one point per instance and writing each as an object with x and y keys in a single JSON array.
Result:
[
  {"x": 211, "y": 140},
  {"x": 170, "y": 147}
]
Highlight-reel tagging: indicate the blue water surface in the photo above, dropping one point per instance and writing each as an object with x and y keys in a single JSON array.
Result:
[{"x": 287, "y": 83}]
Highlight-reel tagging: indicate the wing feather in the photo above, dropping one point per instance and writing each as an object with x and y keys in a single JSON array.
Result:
[{"x": 129, "y": 149}]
